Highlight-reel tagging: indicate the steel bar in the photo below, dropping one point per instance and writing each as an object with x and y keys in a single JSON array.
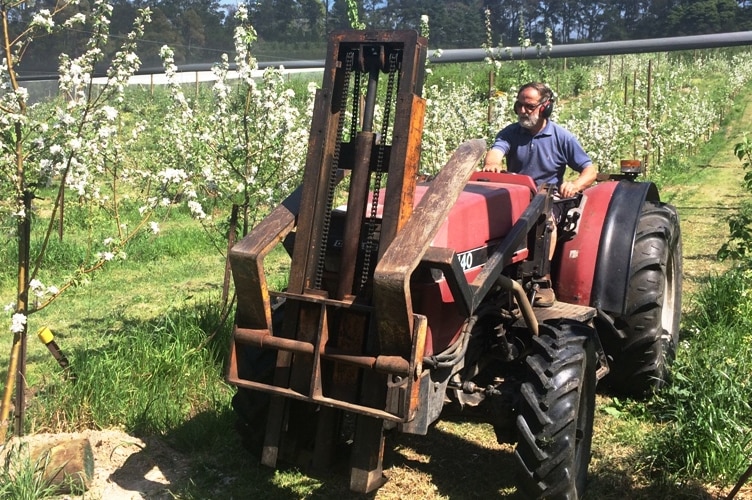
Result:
[
  {"x": 396, "y": 365},
  {"x": 647, "y": 45}
]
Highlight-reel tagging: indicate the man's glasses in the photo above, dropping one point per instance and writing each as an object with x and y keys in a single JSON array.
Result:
[{"x": 528, "y": 107}]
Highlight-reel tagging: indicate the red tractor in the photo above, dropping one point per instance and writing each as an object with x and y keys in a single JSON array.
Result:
[{"x": 407, "y": 297}]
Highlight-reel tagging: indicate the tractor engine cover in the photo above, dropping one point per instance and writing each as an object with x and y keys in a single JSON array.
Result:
[
  {"x": 483, "y": 214},
  {"x": 481, "y": 217}
]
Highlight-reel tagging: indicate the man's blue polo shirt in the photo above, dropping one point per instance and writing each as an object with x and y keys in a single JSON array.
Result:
[{"x": 545, "y": 156}]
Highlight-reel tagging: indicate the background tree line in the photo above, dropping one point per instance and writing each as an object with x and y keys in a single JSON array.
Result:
[{"x": 200, "y": 30}]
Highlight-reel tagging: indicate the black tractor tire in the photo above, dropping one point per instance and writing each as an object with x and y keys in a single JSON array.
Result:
[
  {"x": 251, "y": 409},
  {"x": 642, "y": 343},
  {"x": 555, "y": 416}
]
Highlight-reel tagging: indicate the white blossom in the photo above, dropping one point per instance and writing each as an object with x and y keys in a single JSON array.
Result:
[
  {"x": 43, "y": 19},
  {"x": 196, "y": 209},
  {"x": 77, "y": 18},
  {"x": 18, "y": 323},
  {"x": 110, "y": 113},
  {"x": 37, "y": 287}
]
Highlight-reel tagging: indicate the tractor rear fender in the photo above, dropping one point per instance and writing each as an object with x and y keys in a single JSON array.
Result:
[{"x": 592, "y": 269}]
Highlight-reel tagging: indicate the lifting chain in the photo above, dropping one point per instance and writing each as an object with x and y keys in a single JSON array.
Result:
[
  {"x": 349, "y": 58},
  {"x": 370, "y": 243},
  {"x": 355, "y": 106}
]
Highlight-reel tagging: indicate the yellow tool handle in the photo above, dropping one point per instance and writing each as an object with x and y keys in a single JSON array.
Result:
[{"x": 45, "y": 335}]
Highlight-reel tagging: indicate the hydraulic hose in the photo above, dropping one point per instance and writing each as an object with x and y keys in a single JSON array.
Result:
[
  {"x": 456, "y": 352},
  {"x": 525, "y": 307}
]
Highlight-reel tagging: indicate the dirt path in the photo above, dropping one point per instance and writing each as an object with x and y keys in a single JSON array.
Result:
[{"x": 705, "y": 200}]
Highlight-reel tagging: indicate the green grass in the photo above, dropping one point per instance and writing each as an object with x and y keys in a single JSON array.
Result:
[
  {"x": 706, "y": 414},
  {"x": 165, "y": 370}
]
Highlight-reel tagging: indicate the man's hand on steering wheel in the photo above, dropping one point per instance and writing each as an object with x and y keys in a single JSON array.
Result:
[{"x": 568, "y": 189}]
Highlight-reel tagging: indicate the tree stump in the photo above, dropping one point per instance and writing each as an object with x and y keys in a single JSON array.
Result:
[{"x": 68, "y": 465}]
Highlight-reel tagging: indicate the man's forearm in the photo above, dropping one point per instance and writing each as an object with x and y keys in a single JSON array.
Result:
[
  {"x": 586, "y": 178},
  {"x": 493, "y": 160}
]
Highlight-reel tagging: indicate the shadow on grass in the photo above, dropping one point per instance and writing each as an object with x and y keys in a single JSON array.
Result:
[
  {"x": 609, "y": 484},
  {"x": 455, "y": 465},
  {"x": 204, "y": 459},
  {"x": 461, "y": 469}
]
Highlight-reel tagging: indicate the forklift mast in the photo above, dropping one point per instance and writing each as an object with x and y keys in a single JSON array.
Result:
[{"x": 335, "y": 353}]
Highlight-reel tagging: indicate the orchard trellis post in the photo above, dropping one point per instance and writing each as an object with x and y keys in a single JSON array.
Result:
[{"x": 17, "y": 366}]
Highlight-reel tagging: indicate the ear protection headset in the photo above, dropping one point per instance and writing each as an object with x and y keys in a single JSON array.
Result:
[{"x": 548, "y": 107}]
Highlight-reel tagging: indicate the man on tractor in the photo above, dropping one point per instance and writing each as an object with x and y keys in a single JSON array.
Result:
[{"x": 538, "y": 147}]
